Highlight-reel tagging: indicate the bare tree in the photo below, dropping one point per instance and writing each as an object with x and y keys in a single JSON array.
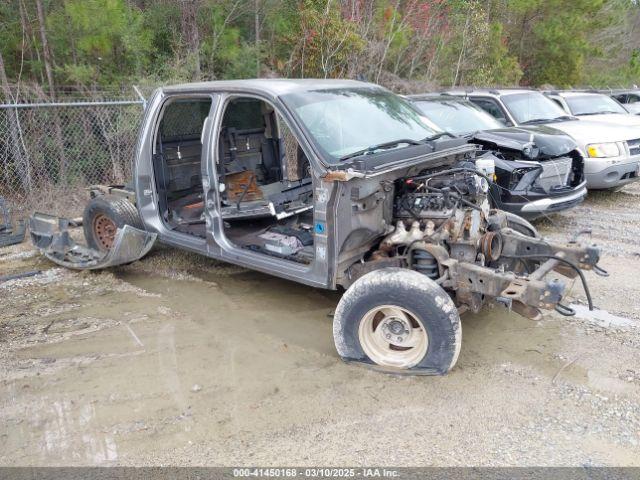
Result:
[
  {"x": 25, "y": 22},
  {"x": 46, "y": 52},
  {"x": 191, "y": 33},
  {"x": 233, "y": 13},
  {"x": 48, "y": 67},
  {"x": 463, "y": 48},
  {"x": 19, "y": 158},
  {"x": 256, "y": 20},
  {"x": 392, "y": 32},
  {"x": 330, "y": 45}
]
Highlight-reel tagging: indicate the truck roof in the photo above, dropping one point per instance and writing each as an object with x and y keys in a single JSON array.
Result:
[
  {"x": 435, "y": 96},
  {"x": 611, "y": 91},
  {"x": 495, "y": 92},
  {"x": 273, "y": 86},
  {"x": 574, "y": 93}
]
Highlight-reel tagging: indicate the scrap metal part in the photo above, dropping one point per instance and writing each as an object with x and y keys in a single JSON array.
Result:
[
  {"x": 525, "y": 294},
  {"x": 519, "y": 246},
  {"x": 52, "y": 237},
  {"x": 8, "y": 234}
]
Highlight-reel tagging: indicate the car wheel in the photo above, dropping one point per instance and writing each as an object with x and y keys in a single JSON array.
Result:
[
  {"x": 399, "y": 320},
  {"x": 102, "y": 218}
]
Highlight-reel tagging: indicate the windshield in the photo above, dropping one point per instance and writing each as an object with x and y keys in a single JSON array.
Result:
[
  {"x": 593, "y": 105},
  {"x": 525, "y": 107},
  {"x": 345, "y": 121},
  {"x": 459, "y": 117}
]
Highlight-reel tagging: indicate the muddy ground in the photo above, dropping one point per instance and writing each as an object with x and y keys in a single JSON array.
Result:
[{"x": 180, "y": 360}]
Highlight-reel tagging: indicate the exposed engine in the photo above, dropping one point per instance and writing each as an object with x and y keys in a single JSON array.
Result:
[
  {"x": 448, "y": 207},
  {"x": 438, "y": 194},
  {"x": 445, "y": 229}
]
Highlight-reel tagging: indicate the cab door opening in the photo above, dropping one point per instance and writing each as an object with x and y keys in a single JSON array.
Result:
[
  {"x": 177, "y": 164},
  {"x": 266, "y": 188}
]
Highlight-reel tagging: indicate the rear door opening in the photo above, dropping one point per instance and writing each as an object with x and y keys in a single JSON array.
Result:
[{"x": 177, "y": 164}]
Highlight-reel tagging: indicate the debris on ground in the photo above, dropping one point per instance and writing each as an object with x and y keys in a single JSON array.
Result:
[{"x": 9, "y": 235}]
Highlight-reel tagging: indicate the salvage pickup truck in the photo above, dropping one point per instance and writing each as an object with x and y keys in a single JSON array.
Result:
[{"x": 334, "y": 184}]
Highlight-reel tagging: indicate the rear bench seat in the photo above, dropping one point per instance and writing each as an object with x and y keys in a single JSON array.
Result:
[{"x": 182, "y": 162}]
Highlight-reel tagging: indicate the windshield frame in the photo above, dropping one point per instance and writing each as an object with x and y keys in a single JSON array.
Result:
[
  {"x": 555, "y": 110},
  {"x": 331, "y": 160},
  {"x": 469, "y": 105}
]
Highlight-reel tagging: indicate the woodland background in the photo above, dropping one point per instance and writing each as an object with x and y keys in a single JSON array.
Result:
[
  {"x": 69, "y": 112},
  {"x": 50, "y": 48}
]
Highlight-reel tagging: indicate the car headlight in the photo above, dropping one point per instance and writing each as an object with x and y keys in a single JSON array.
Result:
[
  {"x": 603, "y": 150},
  {"x": 528, "y": 174}
]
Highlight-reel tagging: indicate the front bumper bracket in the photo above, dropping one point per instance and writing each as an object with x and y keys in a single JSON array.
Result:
[{"x": 51, "y": 235}]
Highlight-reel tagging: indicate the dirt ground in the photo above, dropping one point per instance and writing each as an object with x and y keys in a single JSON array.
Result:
[{"x": 181, "y": 360}]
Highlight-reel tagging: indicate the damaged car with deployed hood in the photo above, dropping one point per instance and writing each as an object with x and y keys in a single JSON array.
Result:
[
  {"x": 537, "y": 169},
  {"x": 334, "y": 184}
]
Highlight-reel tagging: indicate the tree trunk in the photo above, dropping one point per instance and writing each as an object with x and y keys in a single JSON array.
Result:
[
  {"x": 462, "y": 50},
  {"x": 257, "y": 31},
  {"x": 48, "y": 61},
  {"x": 20, "y": 160},
  {"x": 28, "y": 46},
  {"x": 190, "y": 33},
  {"x": 48, "y": 67}
]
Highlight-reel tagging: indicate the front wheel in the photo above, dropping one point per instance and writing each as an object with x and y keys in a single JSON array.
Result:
[{"x": 399, "y": 320}]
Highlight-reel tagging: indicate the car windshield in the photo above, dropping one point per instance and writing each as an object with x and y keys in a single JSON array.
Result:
[
  {"x": 346, "y": 121},
  {"x": 593, "y": 104},
  {"x": 456, "y": 116},
  {"x": 531, "y": 107}
]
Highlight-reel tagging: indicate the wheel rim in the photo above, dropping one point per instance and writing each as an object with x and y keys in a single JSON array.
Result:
[
  {"x": 392, "y": 336},
  {"x": 104, "y": 231}
]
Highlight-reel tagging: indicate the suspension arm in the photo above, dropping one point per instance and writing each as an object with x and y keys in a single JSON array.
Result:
[
  {"x": 516, "y": 245},
  {"x": 526, "y": 295}
]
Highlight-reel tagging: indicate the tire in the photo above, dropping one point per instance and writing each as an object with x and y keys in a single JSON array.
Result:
[
  {"x": 103, "y": 215},
  {"x": 423, "y": 303}
]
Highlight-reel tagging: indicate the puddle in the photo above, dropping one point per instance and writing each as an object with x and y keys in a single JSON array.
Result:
[
  {"x": 242, "y": 306},
  {"x": 609, "y": 384},
  {"x": 602, "y": 317}
]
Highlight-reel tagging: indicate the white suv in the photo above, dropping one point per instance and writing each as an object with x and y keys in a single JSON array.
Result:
[
  {"x": 594, "y": 106},
  {"x": 611, "y": 152},
  {"x": 630, "y": 99}
]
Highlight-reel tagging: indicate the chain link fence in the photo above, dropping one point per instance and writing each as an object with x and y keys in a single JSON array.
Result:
[{"x": 49, "y": 152}]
